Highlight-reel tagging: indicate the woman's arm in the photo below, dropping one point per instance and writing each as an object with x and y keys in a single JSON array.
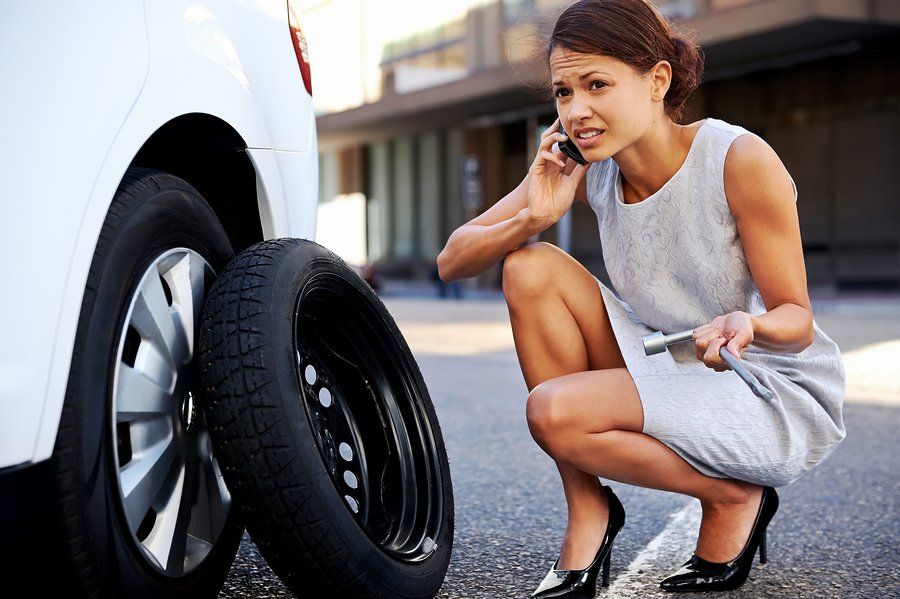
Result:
[
  {"x": 759, "y": 192},
  {"x": 483, "y": 241},
  {"x": 553, "y": 182}
]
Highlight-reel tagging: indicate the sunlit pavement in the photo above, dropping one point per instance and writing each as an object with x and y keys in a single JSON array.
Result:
[{"x": 833, "y": 536}]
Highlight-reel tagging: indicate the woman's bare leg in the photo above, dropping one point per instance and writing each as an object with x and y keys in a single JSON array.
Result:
[
  {"x": 590, "y": 420},
  {"x": 560, "y": 327},
  {"x": 548, "y": 346}
]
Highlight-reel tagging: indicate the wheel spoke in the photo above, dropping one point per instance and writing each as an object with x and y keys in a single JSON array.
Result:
[
  {"x": 152, "y": 318},
  {"x": 139, "y": 397},
  {"x": 186, "y": 281},
  {"x": 194, "y": 552},
  {"x": 197, "y": 270},
  {"x": 161, "y": 539},
  {"x": 183, "y": 515},
  {"x": 214, "y": 499},
  {"x": 147, "y": 477}
]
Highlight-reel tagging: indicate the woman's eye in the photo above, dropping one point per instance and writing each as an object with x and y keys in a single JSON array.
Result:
[{"x": 562, "y": 89}]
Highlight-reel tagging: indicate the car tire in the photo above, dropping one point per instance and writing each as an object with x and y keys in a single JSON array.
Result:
[
  {"x": 316, "y": 406},
  {"x": 97, "y": 498}
]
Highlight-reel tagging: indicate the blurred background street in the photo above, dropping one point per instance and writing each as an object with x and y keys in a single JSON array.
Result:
[
  {"x": 833, "y": 536},
  {"x": 427, "y": 118}
]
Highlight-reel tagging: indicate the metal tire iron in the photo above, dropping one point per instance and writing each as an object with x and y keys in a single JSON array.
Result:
[{"x": 655, "y": 343}]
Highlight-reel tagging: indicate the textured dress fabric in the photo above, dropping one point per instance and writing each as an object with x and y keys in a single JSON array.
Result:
[{"x": 675, "y": 261}]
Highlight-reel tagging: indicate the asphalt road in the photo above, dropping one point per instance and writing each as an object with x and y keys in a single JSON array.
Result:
[{"x": 835, "y": 535}]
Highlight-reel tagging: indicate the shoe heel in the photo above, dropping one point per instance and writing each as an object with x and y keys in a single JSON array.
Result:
[
  {"x": 604, "y": 575},
  {"x": 763, "y": 558}
]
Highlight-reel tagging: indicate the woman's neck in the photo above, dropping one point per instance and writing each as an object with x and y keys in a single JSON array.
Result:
[{"x": 649, "y": 163}]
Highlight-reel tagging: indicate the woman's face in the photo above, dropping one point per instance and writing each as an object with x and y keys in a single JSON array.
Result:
[{"x": 612, "y": 98}]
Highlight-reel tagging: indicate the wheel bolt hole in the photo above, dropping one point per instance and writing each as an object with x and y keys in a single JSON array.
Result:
[
  {"x": 354, "y": 505},
  {"x": 309, "y": 373},
  {"x": 350, "y": 479},
  {"x": 345, "y": 451},
  {"x": 324, "y": 397}
]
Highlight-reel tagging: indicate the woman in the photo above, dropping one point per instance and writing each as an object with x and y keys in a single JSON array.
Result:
[{"x": 700, "y": 231}]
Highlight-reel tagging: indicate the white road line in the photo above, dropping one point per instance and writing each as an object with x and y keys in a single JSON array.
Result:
[{"x": 662, "y": 556}]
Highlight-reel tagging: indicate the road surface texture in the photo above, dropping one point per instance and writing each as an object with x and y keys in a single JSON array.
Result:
[{"x": 835, "y": 535}]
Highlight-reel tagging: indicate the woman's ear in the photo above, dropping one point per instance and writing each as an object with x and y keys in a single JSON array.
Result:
[{"x": 660, "y": 80}]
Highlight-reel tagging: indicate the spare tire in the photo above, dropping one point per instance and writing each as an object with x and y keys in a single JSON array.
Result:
[{"x": 323, "y": 426}]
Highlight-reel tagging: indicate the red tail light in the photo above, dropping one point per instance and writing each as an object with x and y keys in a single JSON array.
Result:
[{"x": 300, "y": 49}]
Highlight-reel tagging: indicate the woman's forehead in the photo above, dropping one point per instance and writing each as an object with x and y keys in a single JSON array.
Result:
[{"x": 566, "y": 63}]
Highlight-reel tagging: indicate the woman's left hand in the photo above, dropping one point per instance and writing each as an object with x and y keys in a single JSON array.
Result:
[{"x": 734, "y": 329}]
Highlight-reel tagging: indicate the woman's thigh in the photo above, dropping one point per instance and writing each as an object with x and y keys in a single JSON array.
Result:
[
  {"x": 533, "y": 271},
  {"x": 594, "y": 401},
  {"x": 599, "y": 399}
]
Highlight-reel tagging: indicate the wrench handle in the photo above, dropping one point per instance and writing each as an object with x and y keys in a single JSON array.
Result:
[
  {"x": 758, "y": 389},
  {"x": 679, "y": 337}
]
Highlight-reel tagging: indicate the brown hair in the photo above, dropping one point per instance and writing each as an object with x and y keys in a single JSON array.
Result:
[{"x": 634, "y": 32}]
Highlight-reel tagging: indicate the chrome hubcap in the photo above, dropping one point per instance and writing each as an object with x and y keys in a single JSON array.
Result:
[{"x": 172, "y": 491}]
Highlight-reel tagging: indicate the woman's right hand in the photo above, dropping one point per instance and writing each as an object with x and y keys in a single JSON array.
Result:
[{"x": 551, "y": 190}]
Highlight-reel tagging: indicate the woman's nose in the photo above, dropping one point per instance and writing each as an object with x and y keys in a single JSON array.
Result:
[{"x": 578, "y": 110}]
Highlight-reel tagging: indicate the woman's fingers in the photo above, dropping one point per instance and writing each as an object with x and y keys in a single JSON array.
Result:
[
  {"x": 551, "y": 157},
  {"x": 552, "y": 129},
  {"x": 703, "y": 338},
  {"x": 549, "y": 151},
  {"x": 550, "y": 139},
  {"x": 548, "y": 135},
  {"x": 700, "y": 331},
  {"x": 712, "y": 359},
  {"x": 709, "y": 339},
  {"x": 550, "y": 142}
]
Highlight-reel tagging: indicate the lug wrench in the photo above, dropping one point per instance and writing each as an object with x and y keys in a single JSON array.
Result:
[{"x": 657, "y": 342}]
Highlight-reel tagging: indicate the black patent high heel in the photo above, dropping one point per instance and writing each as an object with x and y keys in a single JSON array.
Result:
[
  {"x": 698, "y": 574},
  {"x": 583, "y": 583}
]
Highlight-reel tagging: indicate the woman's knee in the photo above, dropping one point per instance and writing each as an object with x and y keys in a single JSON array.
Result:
[
  {"x": 548, "y": 422},
  {"x": 525, "y": 272},
  {"x": 543, "y": 421}
]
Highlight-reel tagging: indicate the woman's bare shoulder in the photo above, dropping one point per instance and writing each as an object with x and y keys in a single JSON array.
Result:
[{"x": 754, "y": 174}]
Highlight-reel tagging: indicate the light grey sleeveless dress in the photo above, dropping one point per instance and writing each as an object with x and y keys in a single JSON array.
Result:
[{"x": 675, "y": 261}]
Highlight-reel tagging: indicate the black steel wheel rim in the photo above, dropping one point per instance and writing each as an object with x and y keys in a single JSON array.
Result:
[{"x": 367, "y": 415}]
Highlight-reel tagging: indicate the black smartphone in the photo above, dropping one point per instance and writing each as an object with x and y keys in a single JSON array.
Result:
[{"x": 568, "y": 147}]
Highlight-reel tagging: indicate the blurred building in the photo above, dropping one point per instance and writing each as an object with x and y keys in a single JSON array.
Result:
[{"x": 428, "y": 115}]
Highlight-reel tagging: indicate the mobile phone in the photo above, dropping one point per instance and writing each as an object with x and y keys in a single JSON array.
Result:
[{"x": 568, "y": 147}]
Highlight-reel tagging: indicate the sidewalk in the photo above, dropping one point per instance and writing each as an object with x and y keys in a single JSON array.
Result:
[
  {"x": 866, "y": 327},
  {"x": 426, "y": 289},
  {"x": 859, "y": 304},
  {"x": 823, "y": 302}
]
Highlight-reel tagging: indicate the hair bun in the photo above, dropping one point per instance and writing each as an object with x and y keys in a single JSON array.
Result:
[{"x": 687, "y": 70}]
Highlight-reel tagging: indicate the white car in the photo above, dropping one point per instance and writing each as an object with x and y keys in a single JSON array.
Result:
[{"x": 145, "y": 144}]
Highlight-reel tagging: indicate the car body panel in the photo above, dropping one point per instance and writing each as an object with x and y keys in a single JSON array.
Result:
[{"x": 87, "y": 97}]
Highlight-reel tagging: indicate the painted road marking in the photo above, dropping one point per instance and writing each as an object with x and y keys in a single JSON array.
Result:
[{"x": 662, "y": 556}]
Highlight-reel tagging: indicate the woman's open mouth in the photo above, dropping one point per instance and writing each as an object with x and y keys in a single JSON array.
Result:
[{"x": 591, "y": 141}]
